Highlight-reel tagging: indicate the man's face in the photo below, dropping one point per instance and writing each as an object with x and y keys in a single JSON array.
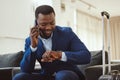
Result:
[{"x": 46, "y": 24}]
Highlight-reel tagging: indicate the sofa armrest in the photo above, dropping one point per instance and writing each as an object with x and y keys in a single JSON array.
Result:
[
  {"x": 15, "y": 70},
  {"x": 6, "y": 73},
  {"x": 94, "y": 72}
]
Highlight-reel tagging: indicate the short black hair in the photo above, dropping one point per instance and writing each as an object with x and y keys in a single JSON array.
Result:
[{"x": 43, "y": 9}]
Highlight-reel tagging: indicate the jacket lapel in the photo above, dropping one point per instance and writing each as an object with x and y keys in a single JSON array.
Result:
[
  {"x": 54, "y": 40},
  {"x": 41, "y": 48}
]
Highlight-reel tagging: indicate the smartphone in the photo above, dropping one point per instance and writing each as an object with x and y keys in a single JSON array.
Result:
[{"x": 35, "y": 23}]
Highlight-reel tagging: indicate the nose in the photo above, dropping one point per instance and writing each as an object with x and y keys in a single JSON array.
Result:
[{"x": 48, "y": 26}]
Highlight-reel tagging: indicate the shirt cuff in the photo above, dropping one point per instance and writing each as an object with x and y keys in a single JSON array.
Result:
[
  {"x": 33, "y": 49},
  {"x": 64, "y": 57}
]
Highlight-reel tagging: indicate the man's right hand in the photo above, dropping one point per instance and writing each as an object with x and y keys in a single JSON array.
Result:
[{"x": 34, "y": 33}]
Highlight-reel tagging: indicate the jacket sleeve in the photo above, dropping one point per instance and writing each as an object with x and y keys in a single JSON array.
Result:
[
  {"x": 78, "y": 53},
  {"x": 28, "y": 62}
]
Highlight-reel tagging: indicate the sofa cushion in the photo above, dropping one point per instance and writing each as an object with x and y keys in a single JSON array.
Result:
[
  {"x": 11, "y": 59},
  {"x": 96, "y": 59}
]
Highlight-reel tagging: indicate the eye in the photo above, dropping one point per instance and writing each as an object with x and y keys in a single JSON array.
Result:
[
  {"x": 52, "y": 23},
  {"x": 43, "y": 24}
]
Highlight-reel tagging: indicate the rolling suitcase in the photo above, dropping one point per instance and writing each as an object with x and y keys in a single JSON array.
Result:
[{"x": 112, "y": 74}]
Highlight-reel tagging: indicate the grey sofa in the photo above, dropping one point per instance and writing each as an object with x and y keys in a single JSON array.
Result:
[{"x": 9, "y": 65}]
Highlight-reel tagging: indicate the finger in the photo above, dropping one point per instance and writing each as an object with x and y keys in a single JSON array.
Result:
[
  {"x": 56, "y": 54},
  {"x": 46, "y": 60},
  {"x": 46, "y": 57},
  {"x": 33, "y": 34},
  {"x": 34, "y": 30},
  {"x": 43, "y": 60},
  {"x": 46, "y": 54},
  {"x": 53, "y": 55}
]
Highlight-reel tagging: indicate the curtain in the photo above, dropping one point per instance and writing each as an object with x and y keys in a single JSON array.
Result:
[
  {"x": 89, "y": 30},
  {"x": 115, "y": 37}
]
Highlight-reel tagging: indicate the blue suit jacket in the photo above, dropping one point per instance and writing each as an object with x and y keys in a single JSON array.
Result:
[{"x": 63, "y": 39}]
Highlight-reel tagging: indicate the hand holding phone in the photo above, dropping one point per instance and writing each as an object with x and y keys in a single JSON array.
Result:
[{"x": 34, "y": 33}]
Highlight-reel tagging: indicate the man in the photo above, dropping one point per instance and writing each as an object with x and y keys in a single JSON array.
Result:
[{"x": 57, "y": 49}]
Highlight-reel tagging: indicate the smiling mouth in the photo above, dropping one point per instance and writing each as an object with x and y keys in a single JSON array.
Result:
[{"x": 48, "y": 32}]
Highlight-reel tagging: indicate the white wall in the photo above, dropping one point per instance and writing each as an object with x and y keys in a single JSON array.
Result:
[
  {"x": 16, "y": 18},
  {"x": 64, "y": 18},
  {"x": 11, "y": 45}
]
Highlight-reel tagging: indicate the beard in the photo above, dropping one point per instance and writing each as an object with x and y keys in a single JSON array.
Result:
[{"x": 46, "y": 33}]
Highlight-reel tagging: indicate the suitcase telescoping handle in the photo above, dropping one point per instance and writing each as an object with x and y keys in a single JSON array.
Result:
[{"x": 104, "y": 13}]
